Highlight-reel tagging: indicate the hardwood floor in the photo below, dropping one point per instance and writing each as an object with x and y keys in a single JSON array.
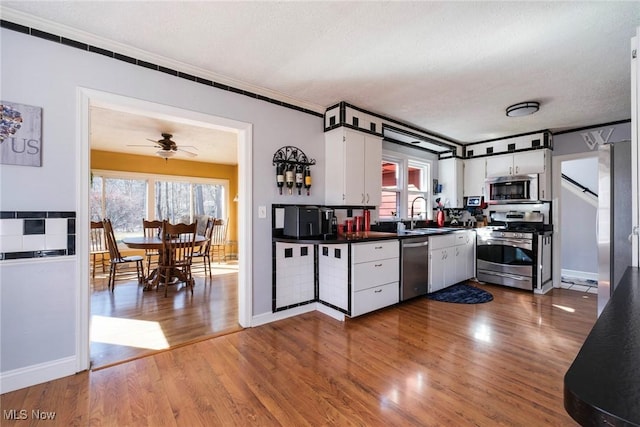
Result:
[
  {"x": 130, "y": 323},
  {"x": 421, "y": 363}
]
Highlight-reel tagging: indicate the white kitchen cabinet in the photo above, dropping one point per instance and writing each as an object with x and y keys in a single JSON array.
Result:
[
  {"x": 528, "y": 162},
  {"x": 465, "y": 255},
  {"x": 374, "y": 275},
  {"x": 475, "y": 173},
  {"x": 294, "y": 274},
  {"x": 451, "y": 176},
  {"x": 333, "y": 271},
  {"x": 451, "y": 259},
  {"x": 353, "y": 175}
]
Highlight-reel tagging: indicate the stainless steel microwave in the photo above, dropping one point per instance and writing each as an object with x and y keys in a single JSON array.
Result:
[{"x": 510, "y": 189}]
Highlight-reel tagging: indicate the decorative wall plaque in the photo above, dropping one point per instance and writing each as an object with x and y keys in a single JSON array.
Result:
[{"x": 20, "y": 134}]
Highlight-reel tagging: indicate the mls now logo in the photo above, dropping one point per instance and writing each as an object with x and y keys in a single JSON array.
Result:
[{"x": 596, "y": 137}]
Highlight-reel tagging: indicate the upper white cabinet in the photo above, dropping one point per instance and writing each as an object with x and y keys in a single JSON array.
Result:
[
  {"x": 451, "y": 176},
  {"x": 529, "y": 162},
  {"x": 353, "y": 174},
  {"x": 475, "y": 173}
]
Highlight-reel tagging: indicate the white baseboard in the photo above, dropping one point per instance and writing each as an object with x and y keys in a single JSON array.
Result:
[
  {"x": 584, "y": 275},
  {"x": 338, "y": 315},
  {"x": 37, "y": 374},
  {"x": 264, "y": 318}
]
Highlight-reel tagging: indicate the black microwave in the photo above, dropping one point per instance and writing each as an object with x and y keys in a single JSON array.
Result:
[{"x": 509, "y": 189}]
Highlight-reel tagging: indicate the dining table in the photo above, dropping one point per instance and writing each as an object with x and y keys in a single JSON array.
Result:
[{"x": 155, "y": 243}]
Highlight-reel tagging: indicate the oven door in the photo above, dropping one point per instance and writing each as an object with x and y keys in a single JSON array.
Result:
[{"x": 506, "y": 261}]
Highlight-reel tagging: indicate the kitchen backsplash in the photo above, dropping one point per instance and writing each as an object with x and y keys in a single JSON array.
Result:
[{"x": 37, "y": 234}]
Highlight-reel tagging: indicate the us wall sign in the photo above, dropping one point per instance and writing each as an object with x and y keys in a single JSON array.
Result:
[{"x": 20, "y": 134}]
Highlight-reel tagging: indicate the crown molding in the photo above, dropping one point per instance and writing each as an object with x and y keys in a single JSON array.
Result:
[{"x": 31, "y": 21}]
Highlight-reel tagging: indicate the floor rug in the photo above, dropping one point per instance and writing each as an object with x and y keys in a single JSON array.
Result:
[{"x": 461, "y": 294}]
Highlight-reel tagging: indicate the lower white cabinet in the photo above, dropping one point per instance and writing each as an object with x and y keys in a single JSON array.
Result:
[
  {"x": 373, "y": 273},
  {"x": 294, "y": 281},
  {"x": 452, "y": 259}
]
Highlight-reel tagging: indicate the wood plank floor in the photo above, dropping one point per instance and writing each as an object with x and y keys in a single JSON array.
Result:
[
  {"x": 130, "y": 323},
  {"x": 422, "y": 362}
]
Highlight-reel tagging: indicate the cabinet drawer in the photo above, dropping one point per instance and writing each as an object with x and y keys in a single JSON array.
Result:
[
  {"x": 369, "y": 274},
  {"x": 460, "y": 238},
  {"x": 365, "y": 252},
  {"x": 374, "y": 298},
  {"x": 438, "y": 242}
]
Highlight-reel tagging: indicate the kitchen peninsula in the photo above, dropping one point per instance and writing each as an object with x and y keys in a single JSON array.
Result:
[{"x": 359, "y": 272}]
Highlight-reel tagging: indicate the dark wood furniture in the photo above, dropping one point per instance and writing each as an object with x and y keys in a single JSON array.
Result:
[
  {"x": 602, "y": 386},
  {"x": 204, "y": 251},
  {"x": 98, "y": 247},
  {"x": 178, "y": 245},
  {"x": 116, "y": 259},
  {"x": 154, "y": 243},
  {"x": 151, "y": 229}
]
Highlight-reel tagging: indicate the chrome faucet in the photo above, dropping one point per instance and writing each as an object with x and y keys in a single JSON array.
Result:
[{"x": 414, "y": 200}]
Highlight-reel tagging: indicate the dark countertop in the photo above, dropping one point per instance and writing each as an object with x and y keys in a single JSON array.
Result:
[
  {"x": 602, "y": 386},
  {"x": 368, "y": 236}
]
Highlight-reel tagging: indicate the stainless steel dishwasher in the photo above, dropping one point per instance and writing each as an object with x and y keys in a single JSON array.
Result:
[{"x": 414, "y": 273}]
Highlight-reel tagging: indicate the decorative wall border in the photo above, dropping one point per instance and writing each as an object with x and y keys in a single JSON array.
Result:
[
  {"x": 151, "y": 66},
  {"x": 23, "y": 234}
]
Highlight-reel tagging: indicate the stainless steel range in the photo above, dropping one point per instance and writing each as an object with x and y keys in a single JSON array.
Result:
[{"x": 515, "y": 249}]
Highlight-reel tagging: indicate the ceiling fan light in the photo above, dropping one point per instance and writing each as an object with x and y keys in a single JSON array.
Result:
[
  {"x": 523, "y": 109},
  {"x": 165, "y": 154}
]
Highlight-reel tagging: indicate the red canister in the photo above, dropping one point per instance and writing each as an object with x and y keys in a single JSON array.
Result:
[
  {"x": 358, "y": 226},
  {"x": 349, "y": 225},
  {"x": 367, "y": 220}
]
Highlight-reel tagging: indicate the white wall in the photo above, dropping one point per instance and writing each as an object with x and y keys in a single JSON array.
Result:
[{"x": 46, "y": 74}]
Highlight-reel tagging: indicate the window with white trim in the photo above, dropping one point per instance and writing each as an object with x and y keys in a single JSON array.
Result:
[
  {"x": 127, "y": 197},
  {"x": 404, "y": 180}
]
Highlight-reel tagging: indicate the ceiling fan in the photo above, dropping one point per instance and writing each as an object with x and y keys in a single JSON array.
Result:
[{"x": 168, "y": 148}]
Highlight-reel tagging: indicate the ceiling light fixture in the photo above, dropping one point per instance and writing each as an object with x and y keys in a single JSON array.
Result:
[
  {"x": 165, "y": 154},
  {"x": 523, "y": 109}
]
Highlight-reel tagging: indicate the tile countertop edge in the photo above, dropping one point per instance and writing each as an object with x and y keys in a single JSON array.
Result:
[
  {"x": 602, "y": 385},
  {"x": 370, "y": 236}
]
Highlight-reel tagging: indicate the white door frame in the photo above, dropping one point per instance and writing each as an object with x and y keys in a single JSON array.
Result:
[
  {"x": 88, "y": 97},
  {"x": 556, "y": 169}
]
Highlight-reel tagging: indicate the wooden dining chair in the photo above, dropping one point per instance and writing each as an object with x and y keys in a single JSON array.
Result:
[
  {"x": 219, "y": 238},
  {"x": 151, "y": 228},
  {"x": 98, "y": 247},
  {"x": 178, "y": 245},
  {"x": 116, "y": 259},
  {"x": 204, "y": 252}
]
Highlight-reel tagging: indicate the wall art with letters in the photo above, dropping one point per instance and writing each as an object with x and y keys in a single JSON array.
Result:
[{"x": 20, "y": 134}]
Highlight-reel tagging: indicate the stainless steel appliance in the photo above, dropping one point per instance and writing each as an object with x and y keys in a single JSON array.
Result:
[
  {"x": 414, "y": 273},
  {"x": 307, "y": 221},
  {"x": 515, "y": 250},
  {"x": 510, "y": 189},
  {"x": 615, "y": 229}
]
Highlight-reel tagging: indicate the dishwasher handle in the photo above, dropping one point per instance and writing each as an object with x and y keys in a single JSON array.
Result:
[{"x": 415, "y": 245}]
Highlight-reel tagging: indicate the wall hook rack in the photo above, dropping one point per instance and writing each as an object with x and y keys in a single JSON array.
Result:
[{"x": 292, "y": 166}]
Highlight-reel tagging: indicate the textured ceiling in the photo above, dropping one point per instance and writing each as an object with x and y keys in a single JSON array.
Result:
[{"x": 450, "y": 68}]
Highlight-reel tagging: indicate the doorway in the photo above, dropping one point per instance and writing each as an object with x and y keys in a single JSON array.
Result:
[
  {"x": 578, "y": 222},
  {"x": 89, "y": 98}
]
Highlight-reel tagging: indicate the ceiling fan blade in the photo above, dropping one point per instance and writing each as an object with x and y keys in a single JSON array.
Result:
[
  {"x": 188, "y": 153},
  {"x": 152, "y": 140}
]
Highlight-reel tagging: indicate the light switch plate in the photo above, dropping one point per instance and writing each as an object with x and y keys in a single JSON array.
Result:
[{"x": 262, "y": 211}]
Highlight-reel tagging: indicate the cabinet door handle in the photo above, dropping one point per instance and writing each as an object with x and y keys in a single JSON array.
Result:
[
  {"x": 377, "y": 265},
  {"x": 517, "y": 169},
  {"x": 378, "y": 291},
  {"x": 367, "y": 198},
  {"x": 510, "y": 170},
  {"x": 377, "y": 247}
]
